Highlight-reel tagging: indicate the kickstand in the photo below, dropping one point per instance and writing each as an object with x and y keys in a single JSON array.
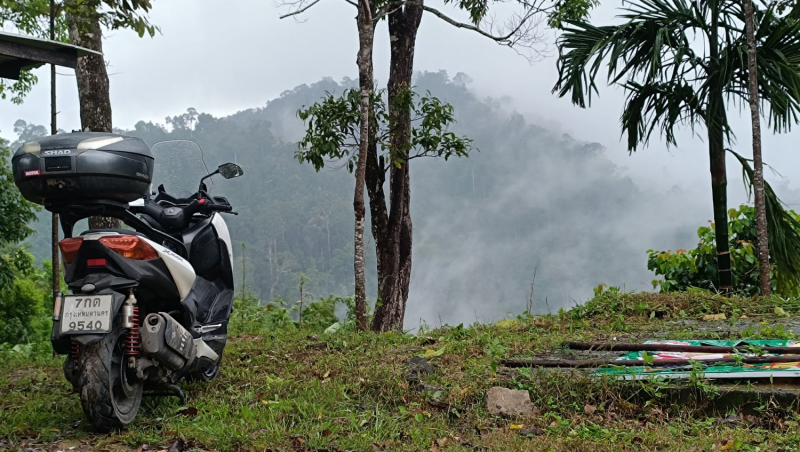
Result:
[{"x": 169, "y": 390}]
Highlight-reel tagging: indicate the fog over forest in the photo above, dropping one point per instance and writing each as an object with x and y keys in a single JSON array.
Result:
[{"x": 529, "y": 200}]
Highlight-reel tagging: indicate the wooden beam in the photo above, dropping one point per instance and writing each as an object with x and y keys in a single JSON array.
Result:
[
  {"x": 10, "y": 69},
  {"x": 66, "y": 57}
]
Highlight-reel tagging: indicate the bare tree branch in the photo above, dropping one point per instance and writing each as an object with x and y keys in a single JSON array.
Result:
[
  {"x": 520, "y": 31},
  {"x": 300, "y": 6},
  {"x": 301, "y": 9}
]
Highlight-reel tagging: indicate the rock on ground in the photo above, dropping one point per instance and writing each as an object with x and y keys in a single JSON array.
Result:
[
  {"x": 508, "y": 402},
  {"x": 417, "y": 369}
]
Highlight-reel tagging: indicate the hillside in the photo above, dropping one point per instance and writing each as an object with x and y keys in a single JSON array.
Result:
[
  {"x": 284, "y": 389},
  {"x": 527, "y": 200}
]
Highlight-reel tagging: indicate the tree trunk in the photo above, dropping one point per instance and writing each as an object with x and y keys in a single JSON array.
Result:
[
  {"x": 93, "y": 90},
  {"x": 758, "y": 165},
  {"x": 715, "y": 122},
  {"x": 394, "y": 252},
  {"x": 366, "y": 33},
  {"x": 719, "y": 193}
]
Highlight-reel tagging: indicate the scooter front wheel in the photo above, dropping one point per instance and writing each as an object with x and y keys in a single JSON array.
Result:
[{"x": 110, "y": 393}]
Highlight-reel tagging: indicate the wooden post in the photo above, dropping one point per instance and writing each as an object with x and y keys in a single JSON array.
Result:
[{"x": 53, "y": 131}]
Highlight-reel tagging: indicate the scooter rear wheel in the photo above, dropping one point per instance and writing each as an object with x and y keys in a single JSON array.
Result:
[{"x": 110, "y": 393}]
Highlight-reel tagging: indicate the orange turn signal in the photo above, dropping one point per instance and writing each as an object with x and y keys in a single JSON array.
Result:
[
  {"x": 69, "y": 248},
  {"x": 129, "y": 246}
]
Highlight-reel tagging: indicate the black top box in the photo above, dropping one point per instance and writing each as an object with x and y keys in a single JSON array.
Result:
[{"x": 83, "y": 166}]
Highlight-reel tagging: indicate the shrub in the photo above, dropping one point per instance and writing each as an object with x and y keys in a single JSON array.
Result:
[{"x": 697, "y": 267}]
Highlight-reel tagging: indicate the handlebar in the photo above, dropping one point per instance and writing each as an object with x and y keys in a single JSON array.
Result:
[
  {"x": 225, "y": 208},
  {"x": 178, "y": 218}
]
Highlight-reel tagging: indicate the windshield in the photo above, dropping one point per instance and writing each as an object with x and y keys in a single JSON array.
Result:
[{"x": 179, "y": 167}]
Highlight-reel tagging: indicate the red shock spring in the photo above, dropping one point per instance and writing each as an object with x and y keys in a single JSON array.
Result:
[
  {"x": 75, "y": 350},
  {"x": 133, "y": 339}
]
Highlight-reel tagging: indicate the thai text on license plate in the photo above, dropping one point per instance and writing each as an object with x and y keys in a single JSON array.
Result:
[{"x": 86, "y": 314}]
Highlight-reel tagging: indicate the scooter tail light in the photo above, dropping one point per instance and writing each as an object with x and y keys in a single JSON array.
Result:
[
  {"x": 130, "y": 246},
  {"x": 69, "y": 248}
]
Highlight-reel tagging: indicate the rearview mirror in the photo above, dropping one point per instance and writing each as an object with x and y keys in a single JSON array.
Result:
[{"x": 230, "y": 170}]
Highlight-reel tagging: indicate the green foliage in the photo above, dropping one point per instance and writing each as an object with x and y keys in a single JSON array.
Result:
[
  {"x": 570, "y": 10},
  {"x": 332, "y": 130},
  {"x": 23, "y": 288},
  {"x": 783, "y": 231},
  {"x": 684, "y": 269},
  {"x": 16, "y": 211},
  {"x": 321, "y": 315},
  {"x": 251, "y": 317},
  {"x": 115, "y": 14},
  {"x": 23, "y": 299}
]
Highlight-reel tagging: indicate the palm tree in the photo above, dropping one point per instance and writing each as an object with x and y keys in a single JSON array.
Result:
[
  {"x": 679, "y": 62},
  {"x": 758, "y": 164}
]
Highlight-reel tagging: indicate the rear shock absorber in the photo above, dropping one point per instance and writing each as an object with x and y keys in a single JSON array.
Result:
[
  {"x": 130, "y": 315},
  {"x": 75, "y": 350}
]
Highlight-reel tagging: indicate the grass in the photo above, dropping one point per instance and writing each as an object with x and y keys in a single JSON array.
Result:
[{"x": 288, "y": 389}]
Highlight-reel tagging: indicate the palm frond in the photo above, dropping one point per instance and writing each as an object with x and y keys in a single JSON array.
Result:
[
  {"x": 784, "y": 234},
  {"x": 659, "y": 105}
]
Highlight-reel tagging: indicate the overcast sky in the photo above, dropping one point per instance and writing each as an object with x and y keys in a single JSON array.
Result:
[{"x": 221, "y": 57}]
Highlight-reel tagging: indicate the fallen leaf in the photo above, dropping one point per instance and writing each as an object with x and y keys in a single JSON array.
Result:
[
  {"x": 171, "y": 432},
  {"x": 516, "y": 426},
  {"x": 191, "y": 411},
  {"x": 780, "y": 312},
  {"x": 727, "y": 445},
  {"x": 326, "y": 375},
  {"x": 712, "y": 317},
  {"x": 326, "y": 432},
  {"x": 441, "y": 442},
  {"x": 589, "y": 409},
  {"x": 433, "y": 353}
]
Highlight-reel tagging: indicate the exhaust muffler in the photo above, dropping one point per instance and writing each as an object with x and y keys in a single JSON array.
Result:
[{"x": 169, "y": 343}]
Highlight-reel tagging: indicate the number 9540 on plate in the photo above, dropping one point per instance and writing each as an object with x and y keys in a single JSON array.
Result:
[{"x": 83, "y": 314}]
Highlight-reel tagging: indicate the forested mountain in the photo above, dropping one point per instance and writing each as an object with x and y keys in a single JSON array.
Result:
[{"x": 527, "y": 200}]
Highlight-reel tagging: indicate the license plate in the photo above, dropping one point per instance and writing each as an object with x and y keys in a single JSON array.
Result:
[{"x": 86, "y": 314}]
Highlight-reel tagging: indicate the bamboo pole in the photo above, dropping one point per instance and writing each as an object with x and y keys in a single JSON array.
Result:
[
  {"x": 592, "y": 363},
  {"x": 623, "y": 347}
]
